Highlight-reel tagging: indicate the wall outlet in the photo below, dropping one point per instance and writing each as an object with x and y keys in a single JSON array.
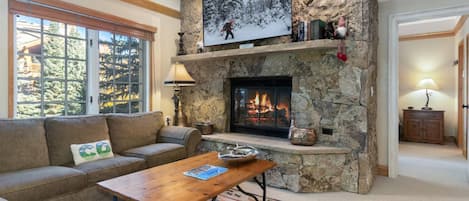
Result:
[{"x": 327, "y": 131}]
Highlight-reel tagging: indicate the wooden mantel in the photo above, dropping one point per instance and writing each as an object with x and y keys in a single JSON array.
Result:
[{"x": 259, "y": 50}]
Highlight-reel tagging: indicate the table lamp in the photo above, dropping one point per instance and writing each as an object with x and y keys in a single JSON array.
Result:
[
  {"x": 178, "y": 77},
  {"x": 427, "y": 84}
]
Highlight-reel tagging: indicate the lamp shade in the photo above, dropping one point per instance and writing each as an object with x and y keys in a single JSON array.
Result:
[
  {"x": 178, "y": 76},
  {"x": 427, "y": 83}
]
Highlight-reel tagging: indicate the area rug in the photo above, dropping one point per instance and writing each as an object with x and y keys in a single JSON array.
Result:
[{"x": 235, "y": 195}]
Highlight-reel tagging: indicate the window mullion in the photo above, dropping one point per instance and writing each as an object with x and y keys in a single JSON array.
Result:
[
  {"x": 42, "y": 69},
  {"x": 65, "y": 102},
  {"x": 93, "y": 72}
]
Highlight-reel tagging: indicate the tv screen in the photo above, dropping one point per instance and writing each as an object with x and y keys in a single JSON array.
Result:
[{"x": 230, "y": 21}]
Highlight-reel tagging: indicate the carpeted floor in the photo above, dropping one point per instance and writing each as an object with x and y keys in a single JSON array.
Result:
[{"x": 427, "y": 173}]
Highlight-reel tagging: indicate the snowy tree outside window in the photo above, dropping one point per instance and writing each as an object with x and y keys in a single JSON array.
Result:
[{"x": 230, "y": 21}]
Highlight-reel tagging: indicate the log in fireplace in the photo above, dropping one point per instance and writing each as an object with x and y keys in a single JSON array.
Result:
[{"x": 261, "y": 105}]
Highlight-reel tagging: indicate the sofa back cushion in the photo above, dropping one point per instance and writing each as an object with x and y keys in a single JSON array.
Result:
[
  {"x": 22, "y": 144},
  {"x": 130, "y": 131},
  {"x": 64, "y": 131}
]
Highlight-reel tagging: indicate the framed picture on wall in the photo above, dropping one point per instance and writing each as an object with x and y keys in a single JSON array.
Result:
[{"x": 230, "y": 21}]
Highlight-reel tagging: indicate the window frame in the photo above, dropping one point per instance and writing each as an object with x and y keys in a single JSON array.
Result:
[
  {"x": 92, "y": 88},
  {"x": 42, "y": 102}
]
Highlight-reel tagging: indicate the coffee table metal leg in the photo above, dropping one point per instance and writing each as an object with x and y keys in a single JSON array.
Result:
[
  {"x": 262, "y": 184},
  {"x": 246, "y": 193}
]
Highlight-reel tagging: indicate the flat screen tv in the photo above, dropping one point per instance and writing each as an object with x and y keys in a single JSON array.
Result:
[{"x": 231, "y": 21}]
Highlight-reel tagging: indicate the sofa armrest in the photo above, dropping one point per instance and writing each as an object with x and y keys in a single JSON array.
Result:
[{"x": 189, "y": 137}]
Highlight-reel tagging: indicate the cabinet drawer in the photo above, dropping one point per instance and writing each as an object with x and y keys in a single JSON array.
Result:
[{"x": 423, "y": 115}]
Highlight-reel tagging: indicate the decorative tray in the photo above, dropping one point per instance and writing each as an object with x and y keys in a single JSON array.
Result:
[{"x": 238, "y": 154}]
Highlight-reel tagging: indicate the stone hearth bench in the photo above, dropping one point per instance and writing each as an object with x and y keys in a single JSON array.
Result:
[{"x": 315, "y": 168}]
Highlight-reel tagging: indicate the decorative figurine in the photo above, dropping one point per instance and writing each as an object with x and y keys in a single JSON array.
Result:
[
  {"x": 181, "y": 51},
  {"x": 200, "y": 47},
  {"x": 341, "y": 33}
]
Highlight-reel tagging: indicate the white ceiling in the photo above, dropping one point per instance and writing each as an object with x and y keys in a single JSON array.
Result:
[{"x": 428, "y": 26}]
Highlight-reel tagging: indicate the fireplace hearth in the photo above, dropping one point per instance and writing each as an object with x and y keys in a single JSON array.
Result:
[{"x": 261, "y": 105}]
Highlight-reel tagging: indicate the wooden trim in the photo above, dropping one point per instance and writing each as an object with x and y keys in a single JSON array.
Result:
[
  {"x": 96, "y": 14},
  {"x": 86, "y": 19},
  {"x": 383, "y": 170},
  {"x": 155, "y": 7},
  {"x": 460, "y": 24},
  {"x": 426, "y": 36},
  {"x": 152, "y": 77},
  {"x": 460, "y": 94},
  {"x": 442, "y": 34},
  {"x": 11, "y": 60}
]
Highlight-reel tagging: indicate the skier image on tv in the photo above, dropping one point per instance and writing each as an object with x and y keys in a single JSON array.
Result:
[{"x": 228, "y": 28}]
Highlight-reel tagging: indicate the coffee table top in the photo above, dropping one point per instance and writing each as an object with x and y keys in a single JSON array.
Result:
[{"x": 167, "y": 182}]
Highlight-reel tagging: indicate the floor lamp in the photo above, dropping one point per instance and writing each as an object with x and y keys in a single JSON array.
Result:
[{"x": 178, "y": 77}]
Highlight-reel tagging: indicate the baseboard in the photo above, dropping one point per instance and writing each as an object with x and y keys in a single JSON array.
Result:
[
  {"x": 451, "y": 139},
  {"x": 383, "y": 170}
]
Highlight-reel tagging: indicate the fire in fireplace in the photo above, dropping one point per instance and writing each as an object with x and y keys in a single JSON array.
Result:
[{"x": 261, "y": 105}]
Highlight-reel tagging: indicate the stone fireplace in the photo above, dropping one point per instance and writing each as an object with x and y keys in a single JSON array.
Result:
[
  {"x": 261, "y": 105},
  {"x": 326, "y": 94}
]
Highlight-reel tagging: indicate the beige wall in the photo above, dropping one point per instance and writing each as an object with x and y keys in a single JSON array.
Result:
[
  {"x": 385, "y": 10},
  {"x": 164, "y": 46},
  {"x": 430, "y": 58}
]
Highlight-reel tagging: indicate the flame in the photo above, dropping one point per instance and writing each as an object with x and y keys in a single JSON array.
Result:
[{"x": 256, "y": 100}]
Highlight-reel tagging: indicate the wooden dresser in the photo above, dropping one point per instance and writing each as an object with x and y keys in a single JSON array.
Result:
[{"x": 424, "y": 126}]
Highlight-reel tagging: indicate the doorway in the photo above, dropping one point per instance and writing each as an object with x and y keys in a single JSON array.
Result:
[{"x": 393, "y": 75}]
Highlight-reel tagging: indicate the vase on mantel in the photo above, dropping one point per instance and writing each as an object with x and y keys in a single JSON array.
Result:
[{"x": 301, "y": 136}]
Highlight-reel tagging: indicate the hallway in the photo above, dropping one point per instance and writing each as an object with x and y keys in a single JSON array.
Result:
[{"x": 442, "y": 164}]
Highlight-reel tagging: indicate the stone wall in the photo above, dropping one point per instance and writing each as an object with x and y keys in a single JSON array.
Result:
[
  {"x": 304, "y": 173},
  {"x": 326, "y": 92}
]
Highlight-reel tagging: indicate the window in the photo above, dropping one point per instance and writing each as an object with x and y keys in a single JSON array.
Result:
[
  {"x": 121, "y": 73},
  {"x": 56, "y": 69}
]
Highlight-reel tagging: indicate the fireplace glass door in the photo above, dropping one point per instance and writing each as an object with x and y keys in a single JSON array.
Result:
[{"x": 261, "y": 105}]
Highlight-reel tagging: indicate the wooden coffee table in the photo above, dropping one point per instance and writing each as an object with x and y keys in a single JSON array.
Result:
[{"x": 167, "y": 182}]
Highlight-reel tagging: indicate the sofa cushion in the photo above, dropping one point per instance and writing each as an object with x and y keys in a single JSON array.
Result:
[
  {"x": 64, "y": 131},
  {"x": 109, "y": 168},
  {"x": 40, "y": 183},
  {"x": 130, "y": 131},
  {"x": 83, "y": 153},
  {"x": 158, "y": 154},
  {"x": 22, "y": 145}
]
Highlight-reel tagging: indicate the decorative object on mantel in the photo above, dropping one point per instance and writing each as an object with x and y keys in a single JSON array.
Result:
[
  {"x": 301, "y": 136},
  {"x": 427, "y": 84},
  {"x": 341, "y": 33},
  {"x": 238, "y": 154},
  {"x": 181, "y": 50},
  {"x": 178, "y": 77},
  {"x": 206, "y": 128},
  {"x": 318, "y": 29},
  {"x": 200, "y": 47},
  {"x": 329, "y": 30}
]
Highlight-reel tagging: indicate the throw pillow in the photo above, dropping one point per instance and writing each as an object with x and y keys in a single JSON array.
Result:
[{"x": 93, "y": 151}]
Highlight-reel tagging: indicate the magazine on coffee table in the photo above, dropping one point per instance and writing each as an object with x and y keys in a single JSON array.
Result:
[{"x": 206, "y": 172}]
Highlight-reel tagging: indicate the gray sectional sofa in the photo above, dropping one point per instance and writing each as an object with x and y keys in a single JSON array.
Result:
[{"x": 36, "y": 162}]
